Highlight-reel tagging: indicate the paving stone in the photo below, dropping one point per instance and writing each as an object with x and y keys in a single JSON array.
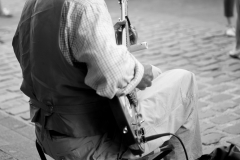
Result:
[
  {"x": 237, "y": 81},
  {"x": 190, "y": 48},
  {"x": 221, "y": 88},
  {"x": 202, "y": 94},
  {"x": 237, "y": 100},
  {"x": 189, "y": 67},
  {"x": 190, "y": 54},
  {"x": 175, "y": 53},
  {"x": 9, "y": 96},
  {"x": 14, "y": 89},
  {"x": 206, "y": 62},
  {"x": 11, "y": 104},
  {"x": 8, "y": 72},
  {"x": 205, "y": 126},
  {"x": 19, "y": 150},
  {"x": 201, "y": 86},
  {"x": 235, "y": 74},
  {"x": 212, "y": 138},
  {"x": 235, "y": 141},
  {"x": 27, "y": 131},
  {"x": 202, "y": 104},
  {"x": 221, "y": 107},
  {"x": 25, "y": 116},
  {"x": 224, "y": 118},
  {"x": 18, "y": 109},
  {"x": 5, "y": 156},
  {"x": 206, "y": 114},
  {"x": 233, "y": 67},
  {"x": 5, "y": 78},
  {"x": 214, "y": 73},
  {"x": 12, "y": 137},
  {"x": 209, "y": 67},
  {"x": 234, "y": 129},
  {"x": 12, "y": 123},
  {"x": 3, "y": 115},
  {"x": 219, "y": 80},
  {"x": 237, "y": 111},
  {"x": 3, "y": 142},
  {"x": 181, "y": 62},
  {"x": 220, "y": 98},
  {"x": 237, "y": 92},
  {"x": 231, "y": 61}
]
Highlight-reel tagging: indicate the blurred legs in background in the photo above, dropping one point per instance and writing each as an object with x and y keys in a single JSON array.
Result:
[
  {"x": 228, "y": 13},
  {"x": 235, "y": 53},
  {"x": 4, "y": 12}
]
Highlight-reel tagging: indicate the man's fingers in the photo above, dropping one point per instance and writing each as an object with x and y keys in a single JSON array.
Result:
[{"x": 122, "y": 22}]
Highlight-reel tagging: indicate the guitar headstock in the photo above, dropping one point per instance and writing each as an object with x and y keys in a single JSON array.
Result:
[{"x": 125, "y": 29}]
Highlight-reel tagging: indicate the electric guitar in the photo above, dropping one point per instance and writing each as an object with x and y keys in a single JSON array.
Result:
[{"x": 125, "y": 108}]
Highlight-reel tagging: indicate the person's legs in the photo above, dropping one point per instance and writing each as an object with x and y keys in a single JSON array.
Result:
[
  {"x": 99, "y": 147},
  {"x": 228, "y": 13},
  {"x": 170, "y": 105},
  {"x": 238, "y": 25},
  {"x": 235, "y": 53},
  {"x": 4, "y": 12}
]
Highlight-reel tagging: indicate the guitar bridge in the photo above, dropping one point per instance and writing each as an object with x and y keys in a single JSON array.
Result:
[{"x": 140, "y": 132}]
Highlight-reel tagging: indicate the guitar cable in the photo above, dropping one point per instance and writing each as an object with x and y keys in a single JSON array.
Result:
[{"x": 150, "y": 138}]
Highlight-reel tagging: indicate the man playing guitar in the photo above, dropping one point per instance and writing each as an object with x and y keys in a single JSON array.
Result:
[{"x": 72, "y": 67}]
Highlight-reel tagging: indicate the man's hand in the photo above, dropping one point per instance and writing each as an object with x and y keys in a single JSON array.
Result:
[
  {"x": 147, "y": 77},
  {"x": 133, "y": 35},
  {"x": 118, "y": 25}
]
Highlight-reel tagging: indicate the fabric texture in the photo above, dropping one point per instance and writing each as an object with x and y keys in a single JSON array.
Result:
[
  {"x": 87, "y": 35},
  {"x": 169, "y": 105},
  {"x": 228, "y": 8}
]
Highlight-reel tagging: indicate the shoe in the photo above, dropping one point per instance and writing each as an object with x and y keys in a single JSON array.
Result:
[
  {"x": 235, "y": 53},
  {"x": 5, "y": 13},
  {"x": 231, "y": 32}
]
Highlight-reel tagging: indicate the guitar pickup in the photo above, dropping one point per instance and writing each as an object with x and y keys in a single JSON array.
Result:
[{"x": 140, "y": 132}]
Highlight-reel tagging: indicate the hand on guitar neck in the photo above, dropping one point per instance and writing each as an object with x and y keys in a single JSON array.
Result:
[
  {"x": 133, "y": 35},
  {"x": 147, "y": 77}
]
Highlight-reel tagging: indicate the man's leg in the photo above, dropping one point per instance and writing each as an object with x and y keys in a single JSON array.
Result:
[
  {"x": 170, "y": 105},
  {"x": 99, "y": 147}
]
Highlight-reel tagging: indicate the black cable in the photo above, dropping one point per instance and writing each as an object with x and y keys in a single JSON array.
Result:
[{"x": 150, "y": 138}]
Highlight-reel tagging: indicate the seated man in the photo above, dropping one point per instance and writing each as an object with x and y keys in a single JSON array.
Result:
[{"x": 72, "y": 67}]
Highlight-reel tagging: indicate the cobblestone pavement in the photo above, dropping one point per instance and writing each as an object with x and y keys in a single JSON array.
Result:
[{"x": 173, "y": 43}]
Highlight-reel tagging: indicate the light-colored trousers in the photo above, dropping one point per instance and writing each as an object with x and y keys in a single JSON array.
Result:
[{"x": 169, "y": 105}]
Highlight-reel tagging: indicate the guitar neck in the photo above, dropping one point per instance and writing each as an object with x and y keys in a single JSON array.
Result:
[{"x": 125, "y": 29}]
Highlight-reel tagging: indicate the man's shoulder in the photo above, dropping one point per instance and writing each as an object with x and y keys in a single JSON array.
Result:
[{"x": 87, "y": 3}]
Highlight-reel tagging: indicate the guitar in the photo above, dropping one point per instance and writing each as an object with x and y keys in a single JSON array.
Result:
[{"x": 125, "y": 108}]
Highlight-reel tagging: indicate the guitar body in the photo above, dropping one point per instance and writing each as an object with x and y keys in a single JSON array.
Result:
[
  {"x": 124, "y": 108},
  {"x": 127, "y": 120}
]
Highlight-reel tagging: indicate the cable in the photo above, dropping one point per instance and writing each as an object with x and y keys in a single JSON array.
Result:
[{"x": 150, "y": 138}]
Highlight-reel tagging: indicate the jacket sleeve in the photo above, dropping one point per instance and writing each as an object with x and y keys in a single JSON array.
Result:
[{"x": 112, "y": 70}]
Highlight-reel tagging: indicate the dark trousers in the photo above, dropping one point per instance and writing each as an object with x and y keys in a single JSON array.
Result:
[
  {"x": 238, "y": 25},
  {"x": 228, "y": 8}
]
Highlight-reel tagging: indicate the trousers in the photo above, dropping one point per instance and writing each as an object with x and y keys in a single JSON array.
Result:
[
  {"x": 238, "y": 25},
  {"x": 228, "y": 8},
  {"x": 169, "y": 105}
]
